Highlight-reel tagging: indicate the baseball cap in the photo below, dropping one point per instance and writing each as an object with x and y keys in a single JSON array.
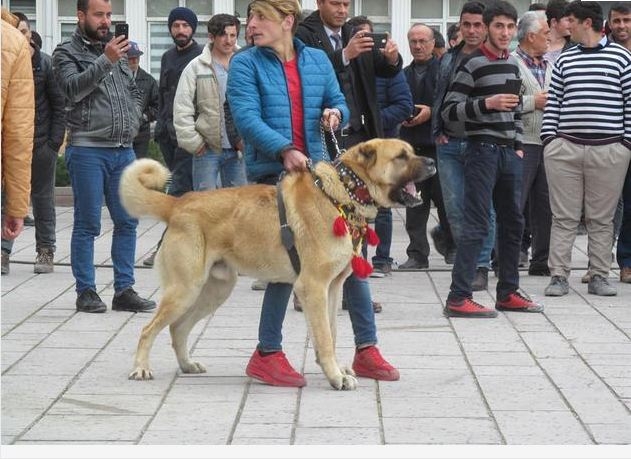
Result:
[{"x": 134, "y": 50}]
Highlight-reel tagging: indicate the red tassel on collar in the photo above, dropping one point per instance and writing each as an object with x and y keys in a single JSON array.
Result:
[
  {"x": 339, "y": 226},
  {"x": 371, "y": 236},
  {"x": 361, "y": 267}
]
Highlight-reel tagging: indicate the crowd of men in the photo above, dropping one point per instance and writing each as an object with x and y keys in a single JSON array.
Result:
[{"x": 530, "y": 141}]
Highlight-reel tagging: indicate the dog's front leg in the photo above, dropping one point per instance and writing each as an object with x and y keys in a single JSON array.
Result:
[{"x": 316, "y": 305}]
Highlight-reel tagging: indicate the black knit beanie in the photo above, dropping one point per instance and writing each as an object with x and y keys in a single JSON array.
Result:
[{"x": 183, "y": 14}]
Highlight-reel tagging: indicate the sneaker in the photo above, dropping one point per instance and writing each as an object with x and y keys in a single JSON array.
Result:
[
  {"x": 369, "y": 363},
  {"x": 258, "y": 285},
  {"x": 558, "y": 287},
  {"x": 381, "y": 270},
  {"x": 440, "y": 243},
  {"x": 450, "y": 257},
  {"x": 274, "y": 369},
  {"x": 150, "y": 259},
  {"x": 467, "y": 308},
  {"x": 90, "y": 302},
  {"x": 517, "y": 301},
  {"x": 599, "y": 285},
  {"x": 129, "y": 300},
  {"x": 297, "y": 304},
  {"x": 625, "y": 275},
  {"x": 481, "y": 279},
  {"x": 44, "y": 261},
  {"x": 29, "y": 221},
  {"x": 413, "y": 264},
  {"x": 538, "y": 270},
  {"x": 5, "y": 263},
  {"x": 586, "y": 278}
]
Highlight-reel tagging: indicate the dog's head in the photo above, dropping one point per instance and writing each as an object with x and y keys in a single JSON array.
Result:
[{"x": 390, "y": 168}]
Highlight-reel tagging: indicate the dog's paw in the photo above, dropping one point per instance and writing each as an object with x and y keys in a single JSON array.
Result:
[
  {"x": 141, "y": 374},
  {"x": 193, "y": 368},
  {"x": 346, "y": 381}
]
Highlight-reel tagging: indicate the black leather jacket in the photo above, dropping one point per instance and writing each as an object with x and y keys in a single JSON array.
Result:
[
  {"x": 103, "y": 104},
  {"x": 49, "y": 103},
  {"x": 148, "y": 87}
]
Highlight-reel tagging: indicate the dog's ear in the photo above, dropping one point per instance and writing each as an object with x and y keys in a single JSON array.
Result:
[{"x": 367, "y": 154}]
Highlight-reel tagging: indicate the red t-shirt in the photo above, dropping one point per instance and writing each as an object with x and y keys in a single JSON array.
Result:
[{"x": 295, "y": 98}]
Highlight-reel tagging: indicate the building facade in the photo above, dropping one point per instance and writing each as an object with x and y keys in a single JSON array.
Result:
[{"x": 55, "y": 20}]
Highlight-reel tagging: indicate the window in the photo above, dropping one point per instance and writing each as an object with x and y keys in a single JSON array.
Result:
[
  {"x": 378, "y": 11},
  {"x": 425, "y": 9},
  {"x": 27, "y": 7}
]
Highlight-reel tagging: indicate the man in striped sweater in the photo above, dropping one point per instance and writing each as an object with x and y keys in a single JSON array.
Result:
[
  {"x": 586, "y": 132},
  {"x": 485, "y": 95}
]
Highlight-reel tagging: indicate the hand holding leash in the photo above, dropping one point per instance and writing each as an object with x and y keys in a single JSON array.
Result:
[
  {"x": 294, "y": 160},
  {"x": 331, "y": 119}
]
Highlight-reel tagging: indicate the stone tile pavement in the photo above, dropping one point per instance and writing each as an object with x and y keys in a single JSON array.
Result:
[{"x": 561, "y": 378}]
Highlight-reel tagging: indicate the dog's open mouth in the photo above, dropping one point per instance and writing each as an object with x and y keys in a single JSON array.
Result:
[{"x": 409, "y": 196}]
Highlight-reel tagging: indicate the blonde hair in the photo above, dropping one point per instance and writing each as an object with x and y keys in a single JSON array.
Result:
[{"x": 276, "y": 10}]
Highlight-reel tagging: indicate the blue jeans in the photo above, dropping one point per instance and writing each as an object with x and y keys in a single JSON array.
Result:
[
  {"x": 94, "y": 173},
  {"x": 227, "y": 165},
  {"x": 42, "y": 198},
  {"x": 383, "y": 227},
  {"x": 358, "y": 299},
  {"x": 491, "y": 172},
  {"x": 623, "y": 251},
  {"x": 451, "y": 166}
]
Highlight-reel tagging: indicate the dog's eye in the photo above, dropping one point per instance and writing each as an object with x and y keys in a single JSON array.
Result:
[{"x": 402, "y": 156}]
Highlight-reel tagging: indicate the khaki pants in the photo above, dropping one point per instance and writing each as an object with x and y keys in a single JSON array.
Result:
[{"x": 583, "y": 176}]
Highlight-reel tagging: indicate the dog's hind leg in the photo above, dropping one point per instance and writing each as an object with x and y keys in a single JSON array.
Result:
[{"x": 214, "y": 293}]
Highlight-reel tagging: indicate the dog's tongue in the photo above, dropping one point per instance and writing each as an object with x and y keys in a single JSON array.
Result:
[{"x": 410, "y": 188}]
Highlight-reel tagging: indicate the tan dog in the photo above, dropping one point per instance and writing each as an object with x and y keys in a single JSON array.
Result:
[{"x": 213, "y": 235}]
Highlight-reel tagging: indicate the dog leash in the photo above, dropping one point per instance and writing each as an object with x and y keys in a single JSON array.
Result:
[{"x": 325, "y": 145}]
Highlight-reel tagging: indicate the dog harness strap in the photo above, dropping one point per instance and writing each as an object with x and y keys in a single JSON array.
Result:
[{"x": 286, "y": 233}]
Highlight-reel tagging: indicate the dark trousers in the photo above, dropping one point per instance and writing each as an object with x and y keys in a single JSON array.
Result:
[
  {"x": 535, "y": 203},
  {"x": 623, "y": 251},
  {"x": 141, "y": 147},
  {"x": 416, "y": 218},
  {"x": 180, "y": 163},
  {"x": 491, "y": 171}
]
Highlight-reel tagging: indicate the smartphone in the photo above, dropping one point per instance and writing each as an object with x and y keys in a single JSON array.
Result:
[
  {"x": 122, "y": 28},
  {"x": 512, "y": 86},
  {"x": 414, "y": 114},
  {"x": 379, "y": 39}
]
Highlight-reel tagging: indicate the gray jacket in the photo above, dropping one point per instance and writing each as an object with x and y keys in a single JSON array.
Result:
[{"x": 103, "y": 104}]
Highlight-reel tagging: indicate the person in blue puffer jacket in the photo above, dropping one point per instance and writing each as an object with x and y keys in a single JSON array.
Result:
[{"x": 279, "y": 91}]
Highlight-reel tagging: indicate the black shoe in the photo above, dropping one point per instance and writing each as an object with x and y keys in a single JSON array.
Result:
[
  {"x": 481, "y": 280},
  {"x": 413, "y": 264},
  {"x": 440, "y": 243},
  {"x": 129, "y": 300},
  {"x": 149, "y": 260},
  {"x": 538, "y": 270},
  {"x": 523, "y": 258},
  {"x": 90, "y": 302},
  {"x": 450, "y": 257},
  {"x": 29, "y": 221}
]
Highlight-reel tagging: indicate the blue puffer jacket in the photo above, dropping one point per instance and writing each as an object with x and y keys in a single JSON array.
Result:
[{"x": 259, "y": 102}]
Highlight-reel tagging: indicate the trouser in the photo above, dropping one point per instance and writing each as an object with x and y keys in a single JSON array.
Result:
[
  {"x": 94, "y": 173},
  {"x": 589, "y": 177},
  {"x": 623, "y": 250},
  {"x": 43, "y": 168},
  {"x": 451, "y": 166},
  {"x": 535, "y": 196},
  {"x": 491, "y": 172},
  {"x": 212, "y": 170}
]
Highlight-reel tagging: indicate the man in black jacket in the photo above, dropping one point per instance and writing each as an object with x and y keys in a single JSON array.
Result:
[
  {"x": 357, "y": 63},
  {"x": 148, "y": 86},
  {"x": 49, "y": 135},
  {"x": 421, "y": 76},
  {"x": 182, "y": 25}
]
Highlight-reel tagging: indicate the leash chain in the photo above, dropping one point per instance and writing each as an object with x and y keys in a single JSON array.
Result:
[{"x": 336, "y": 146}]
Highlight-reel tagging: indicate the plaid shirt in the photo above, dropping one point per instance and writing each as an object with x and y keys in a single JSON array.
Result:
[{"x": 537, "y": 69}]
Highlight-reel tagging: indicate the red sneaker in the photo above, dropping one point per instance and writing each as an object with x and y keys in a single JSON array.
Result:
[
  {"x": 369, "y": 363},
  {"x": 274, "y": 370},
  {"x": 516, "y": 301},
  {"x": 467, "y": 308}
]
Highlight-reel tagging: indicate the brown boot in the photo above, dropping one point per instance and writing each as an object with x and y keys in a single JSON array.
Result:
[{"x": 625, "y": 275}]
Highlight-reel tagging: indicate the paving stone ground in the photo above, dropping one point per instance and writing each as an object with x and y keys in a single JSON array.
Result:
[{"x": 561, "y": 378}]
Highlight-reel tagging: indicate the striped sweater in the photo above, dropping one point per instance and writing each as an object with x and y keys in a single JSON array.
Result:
[
  {"x": 589, "y": 100},
  {"x": 477, "y": 78}
]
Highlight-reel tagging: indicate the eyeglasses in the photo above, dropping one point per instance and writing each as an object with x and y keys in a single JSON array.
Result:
[{"x": 421, "y": 41}]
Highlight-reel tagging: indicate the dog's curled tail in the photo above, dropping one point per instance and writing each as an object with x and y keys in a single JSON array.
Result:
[{"x": 141, "y": 190}]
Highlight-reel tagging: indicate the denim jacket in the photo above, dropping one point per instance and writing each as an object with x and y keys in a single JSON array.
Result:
[{"x": 103, "y": 104}]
